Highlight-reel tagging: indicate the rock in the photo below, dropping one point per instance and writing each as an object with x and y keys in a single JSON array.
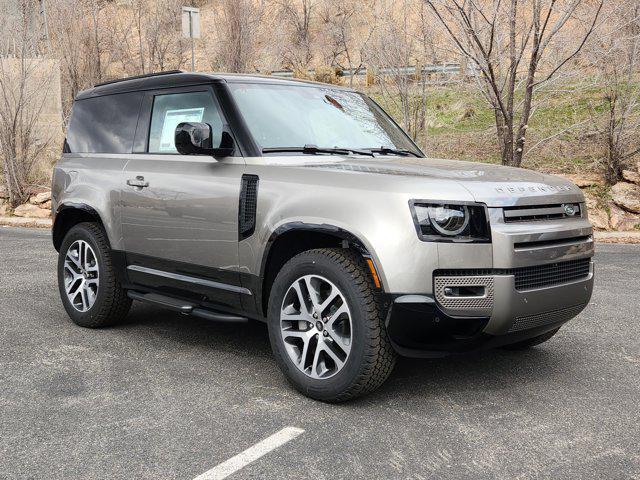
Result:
[
  {"x": 623, "y": 221},
  {"x": 599, "y": 219},
  {"x": 631, "y": 176},
  {"x": 46, "y": 205},
  {"x": 39, "y": 198},
  {"x": 35, "y": 189},
  {"x": 4, "y": 193},
  {"x": 32, "y": 211},
  {"x": 597, "y": 215},
  {"x": 582, "y": 181},
  {"x": 617, "y": 237},
  {"x": 4, "y": 208},
  {"x": 627, "y": 196},
  {"x": 26, "y": 222}
]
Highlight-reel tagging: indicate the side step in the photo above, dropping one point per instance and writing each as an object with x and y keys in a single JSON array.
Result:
[{"x": 184, "y": 307}]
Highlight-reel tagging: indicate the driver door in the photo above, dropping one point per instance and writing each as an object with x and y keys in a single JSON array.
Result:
[{"x": 180, "y": 212}]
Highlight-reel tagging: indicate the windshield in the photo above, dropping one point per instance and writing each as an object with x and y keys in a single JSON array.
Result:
[{"x": 281, "y": 116}]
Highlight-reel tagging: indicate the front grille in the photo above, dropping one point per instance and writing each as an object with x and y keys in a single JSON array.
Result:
[
  {"x": 542, "y": 212},
  {"x": 539, "y": 319},
  {"x": 556, "y": 242},
  {"x": 538, "y": 276}
]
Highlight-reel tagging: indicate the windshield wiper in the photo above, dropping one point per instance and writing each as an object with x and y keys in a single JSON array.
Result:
[
  {"x": 393, "y": 151},
  {"x": 313, "y": 149}
]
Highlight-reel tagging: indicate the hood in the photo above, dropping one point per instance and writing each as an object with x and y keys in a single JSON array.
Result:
[{"x": 494, "y": 185}]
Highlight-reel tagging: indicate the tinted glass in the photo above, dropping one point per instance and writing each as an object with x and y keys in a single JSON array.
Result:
[
  {"x": 170, "y": 110},
  {"x": 104, "y": 124},
  {"x": 294, "y": 116}
]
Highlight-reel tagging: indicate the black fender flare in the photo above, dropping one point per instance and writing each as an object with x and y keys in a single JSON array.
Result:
[
  {"x": 346, "y": 236},
  {"x": 59, "y": 214},
  {"x": 311, "y": 227}
]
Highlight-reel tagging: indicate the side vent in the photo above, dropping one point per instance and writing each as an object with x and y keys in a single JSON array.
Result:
[{"x": 248, "y": 206}]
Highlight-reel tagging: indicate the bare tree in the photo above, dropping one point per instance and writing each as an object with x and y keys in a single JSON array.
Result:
[
  {"x": 297, "y": 16},
  {"x": 142, "y": 36},
  {"x": 615, "y": 57},
  {"x": 76, "y": 35},
  {"x": 347, "y": 35},
  {"x": 24, "y": 83},
  {"x": 165, "y": 45},
  {"x": 236, "y": 38},
  {"x": 509, "y": 42},
  {"x": 392, "y": 53}
]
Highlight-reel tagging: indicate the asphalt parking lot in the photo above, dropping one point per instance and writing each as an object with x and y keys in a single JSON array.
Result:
[{"x": 165, "y": 396}]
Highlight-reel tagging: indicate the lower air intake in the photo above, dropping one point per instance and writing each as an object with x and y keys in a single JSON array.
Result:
[{"x": 540, "y": 319}]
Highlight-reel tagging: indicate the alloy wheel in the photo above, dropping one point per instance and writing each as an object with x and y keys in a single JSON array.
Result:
[
  {"x": 315, "y": 323},
  {"x": 81, "y": 275}
]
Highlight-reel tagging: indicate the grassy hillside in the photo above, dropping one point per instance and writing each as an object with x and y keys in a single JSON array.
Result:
[{"x": 459, "y": 124}]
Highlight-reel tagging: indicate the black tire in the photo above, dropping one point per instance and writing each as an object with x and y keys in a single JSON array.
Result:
[
  {"x": 531, "y": 342},
  {"x": 111, "y": 303},
  {"x": 372, "y": 357}
]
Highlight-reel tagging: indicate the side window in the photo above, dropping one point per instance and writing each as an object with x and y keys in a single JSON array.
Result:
[
  {"x": 104, "y": 124},
  {"x": 170, "y": 110}
]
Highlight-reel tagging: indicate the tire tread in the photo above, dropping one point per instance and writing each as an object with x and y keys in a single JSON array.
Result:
[
  {"x": 115, "y": 303},
  {"x": 381, "y": 357}
]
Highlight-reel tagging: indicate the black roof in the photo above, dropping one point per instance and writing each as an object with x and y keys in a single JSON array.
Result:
[{"x": 178, "y": 78}]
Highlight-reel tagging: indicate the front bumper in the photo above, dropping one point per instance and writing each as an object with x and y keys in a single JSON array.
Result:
[{"x": 427, "y": 326}]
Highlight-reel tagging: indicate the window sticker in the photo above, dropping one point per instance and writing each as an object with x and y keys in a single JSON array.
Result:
[{"x": 171, "y": 120}]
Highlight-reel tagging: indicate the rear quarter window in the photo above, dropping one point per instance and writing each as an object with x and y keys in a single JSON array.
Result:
[{"x": 104, "y": 124}]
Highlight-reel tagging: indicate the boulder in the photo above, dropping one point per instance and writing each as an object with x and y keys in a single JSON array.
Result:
[
  {"x": 631, "y": 176},
  {"x": 597, "y": 216},
  {"x": 46, "y": 205},
  {"x": 599, "y": 219},
  {"x": 622, "y": 220},
  {"x": 627, "y": 196},
  {"x": 582, "y": 181},
  {"x": 39, "y": 198},
  {"x": 31, "y": 211}
]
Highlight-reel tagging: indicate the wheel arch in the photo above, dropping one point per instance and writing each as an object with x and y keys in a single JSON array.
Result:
[
  {"x": 290, "y": 239},
  {"x": 70, "y": 214}
]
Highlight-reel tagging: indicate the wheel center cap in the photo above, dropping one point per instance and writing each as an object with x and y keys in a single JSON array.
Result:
[{"x": 319, "y": 325}]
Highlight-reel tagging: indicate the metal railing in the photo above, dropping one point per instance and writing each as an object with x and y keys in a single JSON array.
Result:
[{"x": 450, "y": 69}]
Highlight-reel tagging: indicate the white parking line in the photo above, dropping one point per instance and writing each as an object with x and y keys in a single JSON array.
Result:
[{"x": 251, "y": 454}]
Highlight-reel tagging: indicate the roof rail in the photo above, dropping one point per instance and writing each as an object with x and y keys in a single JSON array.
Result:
[{"x": 146, "y": 75}]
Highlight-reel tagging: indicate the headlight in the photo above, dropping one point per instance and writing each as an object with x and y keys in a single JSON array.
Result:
[{"x": 450, "y": 222}]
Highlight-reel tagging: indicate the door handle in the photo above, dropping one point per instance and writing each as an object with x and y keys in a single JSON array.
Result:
[{"x": 137, "y": 182}]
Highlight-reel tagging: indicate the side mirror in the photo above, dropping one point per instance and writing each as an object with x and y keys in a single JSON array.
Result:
[{"x": 193, "y": 138}]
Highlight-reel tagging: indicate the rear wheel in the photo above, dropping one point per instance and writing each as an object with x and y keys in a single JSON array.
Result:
[
  {"x": 326, "y": 325},
  {"x": 531, "y": 342},
  {"x": 89, "y": 289}
]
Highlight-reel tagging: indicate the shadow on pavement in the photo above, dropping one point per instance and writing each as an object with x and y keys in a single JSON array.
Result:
[{"x": 487, "y": 371}]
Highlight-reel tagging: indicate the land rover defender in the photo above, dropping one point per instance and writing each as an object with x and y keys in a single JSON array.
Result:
[{"x": 304, "y": 205}]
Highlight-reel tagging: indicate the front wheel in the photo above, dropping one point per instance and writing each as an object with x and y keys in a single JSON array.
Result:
[
  {"x": 326, "y": 326},
  {"x": 89, "y": 288}
]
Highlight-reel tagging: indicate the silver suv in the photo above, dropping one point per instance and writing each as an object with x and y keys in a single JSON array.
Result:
[{"x": 305, "y": 206}]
